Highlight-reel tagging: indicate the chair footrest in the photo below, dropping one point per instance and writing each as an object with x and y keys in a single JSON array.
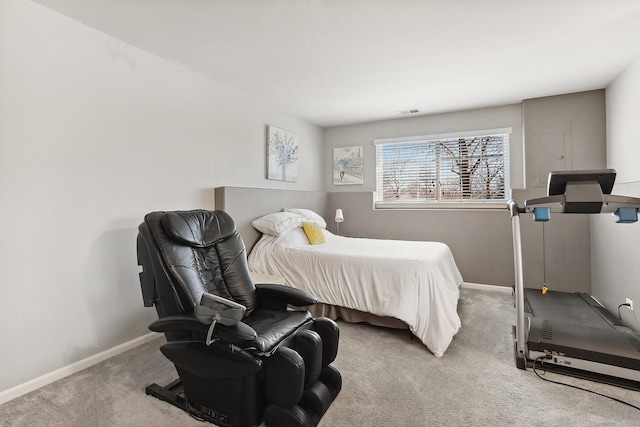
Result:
[{"x": 314, "y": 403}]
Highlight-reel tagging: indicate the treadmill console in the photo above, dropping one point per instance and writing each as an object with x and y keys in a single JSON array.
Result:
[
  {"x": 583, "y": 190},
  {"x": 558, "y": 180}
]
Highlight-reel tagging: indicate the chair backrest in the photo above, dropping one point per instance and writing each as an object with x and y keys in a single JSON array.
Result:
[{"x": 192, "y": 252}]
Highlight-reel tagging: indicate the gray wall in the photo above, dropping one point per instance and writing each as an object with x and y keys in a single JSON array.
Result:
[
  {"x": 561, "y": 133},
  {"x": 364, "y": 134},
  {"x": 95, "y": 133},
  {"x": 615, "y": 247},
  {"x": 481, "y": 240},
  {"x": 483, "y": 254}
]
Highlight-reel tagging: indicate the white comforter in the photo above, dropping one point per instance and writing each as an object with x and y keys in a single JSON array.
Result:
[{"x": 416, "y": 282}]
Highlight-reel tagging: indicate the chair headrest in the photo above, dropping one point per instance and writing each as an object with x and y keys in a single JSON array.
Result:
[{"x": 199, "y": 228}]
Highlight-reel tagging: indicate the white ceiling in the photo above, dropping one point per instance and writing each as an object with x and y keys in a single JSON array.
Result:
[{"x": 335, "y": 62}]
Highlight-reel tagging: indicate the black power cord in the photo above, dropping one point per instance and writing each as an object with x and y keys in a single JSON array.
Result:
[
  {"x": 624, "y": 304},
  {"x": 541, "y": 360}
]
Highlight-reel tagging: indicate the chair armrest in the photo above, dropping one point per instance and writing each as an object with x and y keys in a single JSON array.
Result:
[
  {"x": 280, "y": 295},
  {"x": 238, "y": 334},
  {"x": 178, "y": 322}
]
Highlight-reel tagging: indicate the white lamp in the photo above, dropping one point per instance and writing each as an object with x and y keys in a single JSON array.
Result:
[{"x": 339, "y": 219}]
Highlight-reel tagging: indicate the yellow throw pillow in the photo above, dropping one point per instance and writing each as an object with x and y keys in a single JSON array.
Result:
[{"x": 313, "y": 232}]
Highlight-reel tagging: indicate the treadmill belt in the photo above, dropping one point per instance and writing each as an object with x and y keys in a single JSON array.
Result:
[{"x": 568, "y": 308}]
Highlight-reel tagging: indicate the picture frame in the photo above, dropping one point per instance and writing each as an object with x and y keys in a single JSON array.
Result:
[
  {"x": 282, "y": 155},
  {"x": 348, "y": 165}
]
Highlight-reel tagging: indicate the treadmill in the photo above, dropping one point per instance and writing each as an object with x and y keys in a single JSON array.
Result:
[{"x": 572, "y": 333}]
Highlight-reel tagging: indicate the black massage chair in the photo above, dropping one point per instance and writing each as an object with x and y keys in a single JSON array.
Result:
[{"x": 246, "y": 354}]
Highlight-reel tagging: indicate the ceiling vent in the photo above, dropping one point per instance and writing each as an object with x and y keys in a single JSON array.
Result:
[{"x": 412, "y": 111}]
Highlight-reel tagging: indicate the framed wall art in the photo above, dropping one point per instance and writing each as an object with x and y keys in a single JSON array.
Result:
[
  {"x": 282, "y": 155},
  {"x": 348, "y": 165}
]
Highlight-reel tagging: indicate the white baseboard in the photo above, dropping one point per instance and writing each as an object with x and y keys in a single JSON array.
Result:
[
  {"x": 50, "y": 377},
  {"x": 507, "y": 289}
]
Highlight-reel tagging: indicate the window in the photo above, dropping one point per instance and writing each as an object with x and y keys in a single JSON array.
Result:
[{"x": 471, "y": 167}]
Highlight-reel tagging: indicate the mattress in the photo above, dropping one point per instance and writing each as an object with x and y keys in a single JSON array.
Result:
[{"x": 416, "y": 282}]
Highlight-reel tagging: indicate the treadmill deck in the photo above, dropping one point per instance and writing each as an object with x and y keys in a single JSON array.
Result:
[{"x": 573, "y": 330}]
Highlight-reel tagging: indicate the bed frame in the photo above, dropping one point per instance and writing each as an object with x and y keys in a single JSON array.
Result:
[{"x": 246, "y": 204}]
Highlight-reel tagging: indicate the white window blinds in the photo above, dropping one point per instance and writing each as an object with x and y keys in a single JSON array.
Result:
[{"x": 469, "y": 167}]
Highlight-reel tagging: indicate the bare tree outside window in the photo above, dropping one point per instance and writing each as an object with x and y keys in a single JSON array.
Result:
[
  {"x": 464, "y": 168},
  {"x": 478, "y": 163}
]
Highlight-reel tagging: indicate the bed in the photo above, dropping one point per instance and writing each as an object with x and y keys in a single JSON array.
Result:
[{"x": 414, "y": 283}]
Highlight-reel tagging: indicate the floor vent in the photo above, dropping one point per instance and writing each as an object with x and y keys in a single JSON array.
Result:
[
  {"x": 547, "y": 331},
  {"x": 635, "y": 342}
]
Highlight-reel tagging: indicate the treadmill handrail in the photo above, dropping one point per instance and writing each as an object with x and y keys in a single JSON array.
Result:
[{"x": 515, "y": 210}]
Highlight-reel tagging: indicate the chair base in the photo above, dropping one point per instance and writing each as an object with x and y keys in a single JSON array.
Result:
[
  {"x": 173, "y": 393},
  {"x": 314, "y": 404}
]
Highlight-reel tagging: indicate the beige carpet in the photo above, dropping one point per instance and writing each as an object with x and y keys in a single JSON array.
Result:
[{"x": 389, "y": 380}]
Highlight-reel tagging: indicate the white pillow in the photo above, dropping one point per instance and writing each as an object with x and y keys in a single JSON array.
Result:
[
  {"x": 293, "y": 238},
  {"x": 277, "y": 223},
  {"x": 309, "y": 216}
]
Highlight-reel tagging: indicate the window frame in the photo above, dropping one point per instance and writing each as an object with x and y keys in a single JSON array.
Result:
[{"x": 470, "y": 204}]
